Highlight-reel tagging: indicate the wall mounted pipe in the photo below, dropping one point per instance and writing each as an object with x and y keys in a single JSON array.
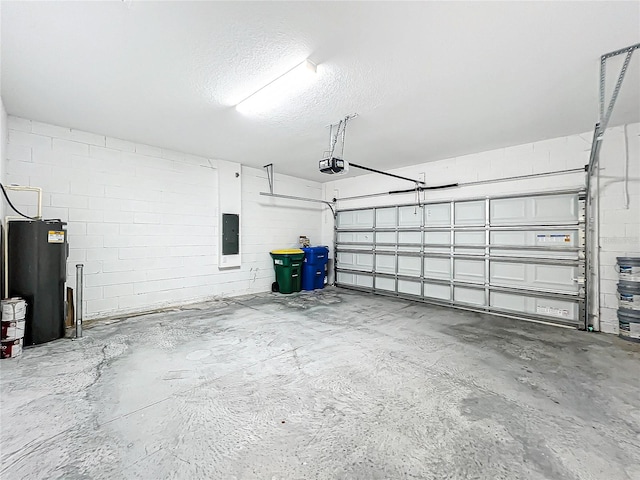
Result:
[
  {"x": 6, "y": 252},
  {"x": 302, "y": 199},
  {"x": 24, "y": 188},
  {"x": 79, "y": 300}
]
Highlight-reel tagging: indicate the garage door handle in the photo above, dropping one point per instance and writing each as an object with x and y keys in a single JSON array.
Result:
[{"x": 579, "y": 280}]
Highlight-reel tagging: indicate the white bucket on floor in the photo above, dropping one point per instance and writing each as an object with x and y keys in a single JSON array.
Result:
[
  {"x": 629, "y": 295},
  {"x": 13, "y": 309},
  {"x": 12, "y": 329},
  {"x": 629, "y": 323},
  {"x": 10, "y": 348},
  {"x": 629, "y": 268}
]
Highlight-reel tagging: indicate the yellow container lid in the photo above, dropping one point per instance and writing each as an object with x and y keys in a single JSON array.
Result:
[{"x": 287, "y": 251}]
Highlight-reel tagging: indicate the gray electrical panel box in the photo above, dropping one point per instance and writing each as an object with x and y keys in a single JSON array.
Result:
[{"x": 230, "y": 234}]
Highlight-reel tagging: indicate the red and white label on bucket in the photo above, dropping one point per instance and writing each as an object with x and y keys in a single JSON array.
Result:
[
  {"x": 13, "y": 329},
  {"x": 11, "y": 348}
]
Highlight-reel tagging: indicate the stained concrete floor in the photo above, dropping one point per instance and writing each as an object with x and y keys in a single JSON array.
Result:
[{"x": 327, "y": 385}]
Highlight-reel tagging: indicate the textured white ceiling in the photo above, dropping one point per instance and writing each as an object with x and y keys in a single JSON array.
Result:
[{"x": 430, "y": 80}]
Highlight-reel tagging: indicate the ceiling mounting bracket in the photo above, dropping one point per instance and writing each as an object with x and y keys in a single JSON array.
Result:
[
  {"x": 594, "y": 155},
  {"x": 341, "y": 129},
  {"x": 604, "y": 117},
  {"x": 269, "y": 169}
]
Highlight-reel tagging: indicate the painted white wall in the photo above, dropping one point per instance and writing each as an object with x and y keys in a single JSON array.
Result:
[
  {"x": 229, "y": 201},
  {"x": 144, "y": 221},
  {"x": 619, "y": 214},
  {"x": 4, "y": 132},
  {"x": 620, "y": 232}
]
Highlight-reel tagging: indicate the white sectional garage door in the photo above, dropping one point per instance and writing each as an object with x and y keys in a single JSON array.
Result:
[{"x": 518, "y": 256}]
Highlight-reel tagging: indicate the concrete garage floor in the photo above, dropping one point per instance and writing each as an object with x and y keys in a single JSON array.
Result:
[{"x": 328, "y": 385}]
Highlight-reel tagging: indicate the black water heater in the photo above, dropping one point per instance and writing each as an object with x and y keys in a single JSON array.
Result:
[{"x": 38, "y": 272}]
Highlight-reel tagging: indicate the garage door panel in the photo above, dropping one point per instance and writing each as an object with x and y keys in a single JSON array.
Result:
[
  {"x": 346, "y": 219},
  {"x": 551, "y": 209},
  {"x": 410, "y": 237},
  {"x": 355, "y": 261},
  {"x": 510, "y": 210},
  {"x": 437, "y": 291},
  {"x": 356, "y": 237},
  {"x": 356, "y": 219},
  {"x": 469, "y": 238},
  {"x": 553, "y": 308},
  {"x": 410, "y": 216},
  {"x": 388, "y": 238},
  {"x": 509, "y": 238},
  {"x": 437, "y": 215},
  {"x": 565, "y": 310},
  {"x": 437, "y": 238},
  {"x": 507, "y": 301},
  {"x": 475, "y": 240},
  {"x": 558, "y": 243},
  {"x": 558, "y": 278},
  {"x": 346, "y": 237},
  {"x": 468, "y": 296},
  {"x": 508, "y": 273},
  {"x": 346, "y": 259},
  {"x": 387, "y": 284},
  {"x": 555, "y": 277},
  {"x": 535, "y": 238},
  {"x": 470, "y": 213},
  {"x": 468, "y": 270},
  {"x": 437, "y": 267},
  {"x": 385, "y": 264},
  {"x": 386, "y": 217},
  {"x": 409, "y": 266},
  {"x": 409, "y": 287},
  {"x": 356, "y": 280},
  {"x": 556, "y": 208}
]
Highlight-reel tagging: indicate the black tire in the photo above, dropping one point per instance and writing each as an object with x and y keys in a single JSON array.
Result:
[{"x": 275, "y": 287}]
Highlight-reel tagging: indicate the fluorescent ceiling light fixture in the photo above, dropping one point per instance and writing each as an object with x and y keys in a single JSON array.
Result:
[{"x": 277, "y": 90}]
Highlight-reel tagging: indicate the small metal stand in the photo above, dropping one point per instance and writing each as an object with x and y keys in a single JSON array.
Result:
[{"x": 78, "y": 310}]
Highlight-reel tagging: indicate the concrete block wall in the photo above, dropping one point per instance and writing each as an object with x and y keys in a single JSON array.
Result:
[
  {"x": 4, "y": 133},
  {"x": 619, "y": 213},
  {"x": 144, "y": 220},
  {"x": 620, "y": 225}
]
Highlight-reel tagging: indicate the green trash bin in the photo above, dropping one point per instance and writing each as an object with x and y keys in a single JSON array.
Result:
[{"x": 288, "y": 266}]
